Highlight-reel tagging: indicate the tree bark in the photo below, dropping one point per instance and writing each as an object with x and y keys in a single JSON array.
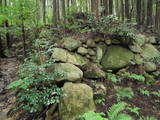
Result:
[
  {"x": 127, "y": 9},
  {"x": 149, "y": 12},
  {"x": 139, "y": 10},
  {"x": 110, "y": 7},
  {"x": 122, "y": 9},
  {"x": 157, "y": 17},
  {"x": 106, "y": 11}
]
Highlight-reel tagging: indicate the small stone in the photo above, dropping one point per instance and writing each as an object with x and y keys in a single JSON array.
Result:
[
  {"x": 150, "y": 67},
  {"x": 82, "y": 51},
  {"x": 100, "y": 89},
  {"x": 108, "y": 42},
  {"x": 91, "y": 52},
  {"x": 91, "y": 43},
  {"x": 70, "y": 43},
  {"x": 93, "y": 71},
  {"x": 85, "y": 46},
  {"x": 135, "y": 48}
]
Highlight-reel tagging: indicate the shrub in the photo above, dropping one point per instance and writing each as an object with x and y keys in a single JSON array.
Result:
[
  {"x": 36, "y": 88},
  {"x": 114, "y": 113},
  {"x": 123, "y": 93}
]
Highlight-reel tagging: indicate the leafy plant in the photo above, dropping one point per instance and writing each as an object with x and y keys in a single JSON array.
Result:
[
  {"x": 134, "y": 110},
  {"x": 145, "y": 92},
  {"x": 100, "y": 100},
  {"x": 156, "y": 60},
  {"x": 92, "y": 116},
  {"x": 115, "y": 112},
  {"x": 133, "y": 76},
  {"x": 36, "y": 88},
  {"x": 112, "y": 77},
  {"x": 125, "y": 33},
  {"x": 122, "y": 93},
  {"x": 147, "y": 118},
  {"x": 156, "y": 93}
]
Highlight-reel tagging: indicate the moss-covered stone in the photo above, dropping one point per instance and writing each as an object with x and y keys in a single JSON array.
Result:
[
  {"x": 62, "y": 55},
  {"x": 93, "y": 71},
  {"x": 78, "y": 99},
  {"x": 116, "y": 57},
  {"x": 149, "y": 52},
  {"x": 71, "y": 44},
  {"x": 69, "y": 72}
]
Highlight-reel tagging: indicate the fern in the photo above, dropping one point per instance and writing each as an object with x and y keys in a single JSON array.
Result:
[
  {"x": 147, "y": 118},
  {"x": 92, "y": 116},
  {"x": 122, "y": 93},
  {"x": 115, "y": 112}
]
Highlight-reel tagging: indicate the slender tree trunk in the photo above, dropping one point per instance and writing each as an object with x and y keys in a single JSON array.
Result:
[
  {"x": 127, "y": 9},
  {"x": 139, "y": 10},
  {"x": 110, "y": 7},
  {"x": 7, "y": 26},
  {"x": 23, "y": 30},
  {"x": 157, "y": 17},
  {"x": 143, "y": 12},
  {"x": 122, "y": 9},
  {"x": 149, "y": 12},
  {"x": 106, "y": 11},
  {"x": 55, "y": 13},
  {"x": 44, "y": 11},
  {"x": 64, "y": 12}
]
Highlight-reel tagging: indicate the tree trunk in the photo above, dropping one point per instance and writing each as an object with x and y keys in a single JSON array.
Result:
[
  {"x": 7, "y": 26},
  {"x": 106, "y": 11},
  {"x": 55, "y": 13},
  {"x": 122, "y": 9},
  {"x": 143, "y": 12},
  {"x": 110, "y": 7},
  {"x": 44, "y": 11},
  {"x": 127, "y": 9},
  {"x": 64, "y": 12},
  {"x": 138, "y": 18},
  {"x": 157, "y": 17},
  {"x": 149, "y": 12}
]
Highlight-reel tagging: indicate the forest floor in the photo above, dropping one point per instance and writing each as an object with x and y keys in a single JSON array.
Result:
[{"x": 8, "y": 68}]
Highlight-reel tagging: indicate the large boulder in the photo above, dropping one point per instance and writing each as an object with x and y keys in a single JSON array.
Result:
[
  {"x": 78, "y": 99},
  {"x": 69, "y": 72},
  {"x": 149, "y": 52},
  {"x": 62, "y": 55},
  {"x": 116, "y": 57},
  {"x": 93, "y": 71},
  {"x": 71, "y": 44}
]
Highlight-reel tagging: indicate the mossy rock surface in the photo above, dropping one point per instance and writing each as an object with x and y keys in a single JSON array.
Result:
[
  {"x": 149, "y": 52},
  {"x": 77, "y": 100},
  {"x": 93, "y": 71},
  {"x": 71, "y": 44},
  {"x": 69, "y": 72},
  {"x": 116, "y": 57},
  {"x": 62, "y": 55}
]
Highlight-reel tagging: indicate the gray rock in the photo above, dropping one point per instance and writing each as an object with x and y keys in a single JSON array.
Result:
[
  {"x": 78, "y": 100},
  {"x": 82, "y": 51},
  {"x": 93, "y": 71},
  {"x": 116, "y": 57},
  {"x": 62, "y": 55},
  {"x": 150, "y": 67},
  {"x": 68, "y": 71},
  {"x": 70, "y": 43}
]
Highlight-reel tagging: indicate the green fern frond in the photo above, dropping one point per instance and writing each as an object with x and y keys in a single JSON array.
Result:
[
  {"x": 147, "y": 118},
  {"x": 116, "y": 109},
  {"x": 122, "y": 116}
]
